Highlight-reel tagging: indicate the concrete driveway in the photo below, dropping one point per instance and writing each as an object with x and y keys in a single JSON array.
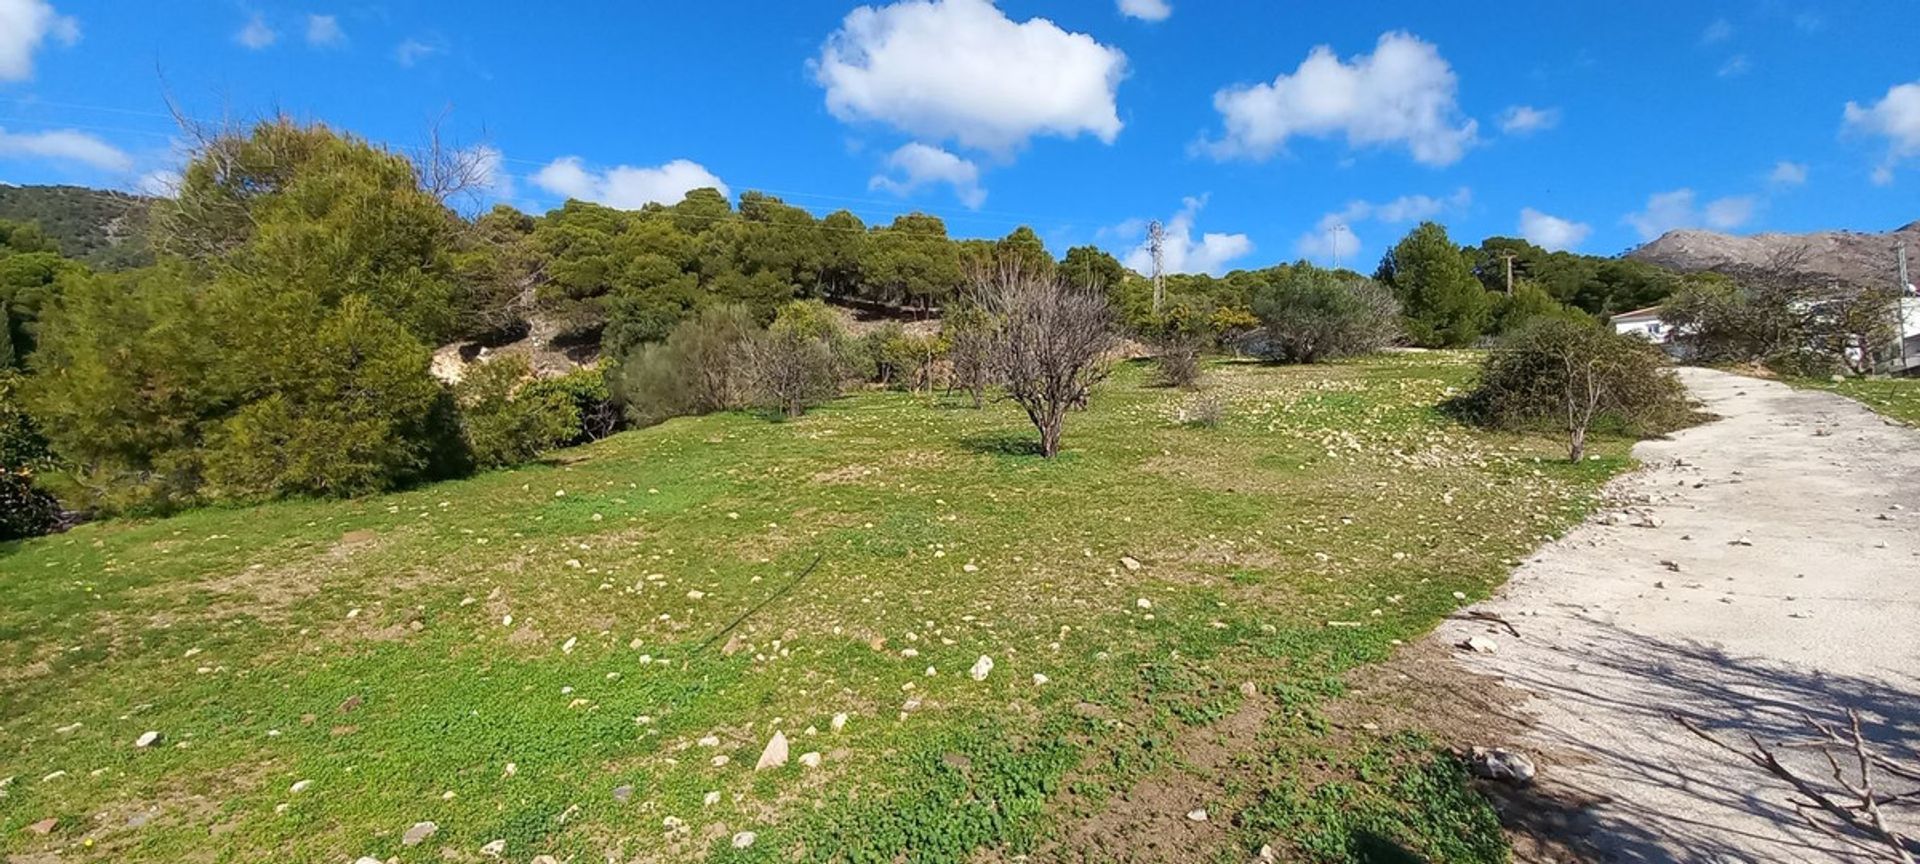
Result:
[{"x": 1760, "y": 566}]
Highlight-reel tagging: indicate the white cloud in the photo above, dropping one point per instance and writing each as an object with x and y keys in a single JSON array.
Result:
[
  {"x": 24, "y": 25},
  {"x": 1333, "y": 238},
  {"x": 164, "y": 183},
  {"x": 1526, "y": 119},
  {"x": 1552, "y": 232},
  {"x": 489, "y": 166},
  {"x": 625, "y": 186},
  {"x": 1667, "y": 211},
  {"x": 918, "y": 164},
  {"x": 1182, "y": 254},
  {"x": 1146, "y": 10},
  {"x": 1896, "y": 117},
  {"x": 256, "y": 35},
  {"x": 1788, "y": 173},
  {"x": 64, "y": 145},
  {"x": 961, "y": 70},
  {"x": 411, "y": 51},
  {"x": 323, "y": 31},
  {"x": 1719, "y": 31},
  {"x": 1404, "y": 93},
  {"x": 1735, "y": 66}
]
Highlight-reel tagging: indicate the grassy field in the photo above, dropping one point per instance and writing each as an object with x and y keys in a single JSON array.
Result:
[
  {"x": 534, "y": 657},
  {"x": 1898, "y": 398}
]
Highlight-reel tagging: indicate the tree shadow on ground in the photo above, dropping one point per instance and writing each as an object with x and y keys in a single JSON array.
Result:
[
  {"x": 1371, "y": 848},
  {"x": 1002, "y": 444},
  {"x": 1649, "y": 681}
]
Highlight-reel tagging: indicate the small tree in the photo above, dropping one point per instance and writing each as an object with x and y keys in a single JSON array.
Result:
[
  {"x": 792, "y": 371},
  {"x": 702, "y": 367},
  {"x": 1554, "y": 371},
  {"x": 1051, "y": 345},
  {"x": 1311, "y": 314},
  {"x": 968, "y": 331}
]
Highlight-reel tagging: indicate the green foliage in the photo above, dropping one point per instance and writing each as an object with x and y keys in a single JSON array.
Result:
[
  {"x": 30, "y": 274},
  {"x": 505, "y": 420},
  {"x": 125, "y": 385},
  {"x": 1092, "y": 267},
  {"x": 703, "y": 366},
  {"x": 1573, "y": 375},
  {"x": 106, "y": 230},
  {"x": 1310, "y": 315},
  {"x": 1527, "y": 302},
  {"x": 1795, "y": 328},
  {"x": 350, "y": 413},
  {"x": 1594, "y": 285},
  {"x": 902, "y": 359},
  {"x": 793, "y": 371},
  {"x": 588, "y": 392},
  {"x": 1443, "y": 302},
  {"x": 911, "y": 262}
]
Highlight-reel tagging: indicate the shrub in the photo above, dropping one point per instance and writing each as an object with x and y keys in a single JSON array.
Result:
[
  {"x": 793, "y": 372},
  {"x": 24, "y": 510},
  {"x": 589, "y": 392},
  {"x": 968, "y": 332},
  {"x": 1204, "y": 410},
  {"x": 702, "y": 367},
  {"x": 900, "y": 358},
  {"x": 1310, "y": 315},
  {"x": 505, "y": 420},
  {"x": 1178, "y": 363},
  {"x": 1553, "y": 372}
]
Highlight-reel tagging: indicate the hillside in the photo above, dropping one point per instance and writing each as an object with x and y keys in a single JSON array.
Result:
[
  {"x": 106, "y": 229},
  {"x": 1842, "y": 256},
  {"x": 543, "y": 661}
]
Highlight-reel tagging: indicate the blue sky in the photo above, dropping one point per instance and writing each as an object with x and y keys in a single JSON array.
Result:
[{"x": 1260, "y": 131}]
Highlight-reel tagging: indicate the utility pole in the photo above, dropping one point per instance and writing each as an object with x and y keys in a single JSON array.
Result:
[
  {"x": 1509, "y": 257},
  {"x": 1157, "y": 246}
]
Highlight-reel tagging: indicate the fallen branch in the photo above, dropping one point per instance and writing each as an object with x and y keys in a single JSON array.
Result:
[{"x": 1863, "y": 814}]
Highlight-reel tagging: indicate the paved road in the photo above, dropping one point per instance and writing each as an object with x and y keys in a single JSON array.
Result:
[{"x": 1820, "y": 612}]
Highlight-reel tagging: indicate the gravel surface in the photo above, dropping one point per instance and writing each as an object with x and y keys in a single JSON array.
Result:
[{"x": 1760, "y": 566}]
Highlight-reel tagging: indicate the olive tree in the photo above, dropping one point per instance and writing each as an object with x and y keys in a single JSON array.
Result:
[
  {"x": 1575, "y": 375},
  {"x": 1050, "y": 345}
]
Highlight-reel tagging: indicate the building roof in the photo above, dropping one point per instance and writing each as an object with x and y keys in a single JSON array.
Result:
[{"x": 1648, "y": 312}]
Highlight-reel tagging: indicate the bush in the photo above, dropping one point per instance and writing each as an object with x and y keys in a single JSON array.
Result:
[
  {"x": 1310, "y": 315},
  {"x": 24, "y": 510},
  {"x": 1178, "y": 363},
  {"x": 1557, "y": 373},
  {"x": 1205, "y": 410},
  {"x": 702, "y": 367},
  {"x": 793, "y": 372},
  {"x": 900, "y": 358},
  {"x": 591, "y": 396},
  {"x": 505, "y": 420}
]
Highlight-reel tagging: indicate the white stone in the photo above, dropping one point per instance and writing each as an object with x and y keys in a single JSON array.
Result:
[
  {"x": 839, "y": 722},
  {"x": 494, "y": 849},
  {"x": 1197, "y": 814},
  {"x": 1129, "y": 562},
  {"x": 418, "y": 834},
  {"x": 775, "y": 754},
  {"x": 811, "y": 760},
  {"x": 981, "y": 668},
  {"x": 300, "y": 786},
  {"x": 146, "y": 740},
  {"x": 743, "y": 839}
]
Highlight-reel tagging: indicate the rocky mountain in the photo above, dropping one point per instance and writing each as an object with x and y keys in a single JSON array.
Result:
[
  {"x": 106, "y": 229},
  {"x": 1844, "y": 257}
]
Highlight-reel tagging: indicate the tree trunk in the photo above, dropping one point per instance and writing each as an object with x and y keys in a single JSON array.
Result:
[
  {"x": 1577, "y": 444},
  {"x": 1050, "y": 436}
]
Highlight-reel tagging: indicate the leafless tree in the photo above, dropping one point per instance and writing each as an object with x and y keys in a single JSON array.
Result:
[
  {"x": 1050, "y": 347},
  {"x": 791, "y": 372},
  {"x": 1850, "y": 808}
]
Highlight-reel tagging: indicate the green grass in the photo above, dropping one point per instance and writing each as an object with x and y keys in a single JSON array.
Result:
[
  {"x": 1898, "y": 398},
  {"x": 1332, "y": 512}
]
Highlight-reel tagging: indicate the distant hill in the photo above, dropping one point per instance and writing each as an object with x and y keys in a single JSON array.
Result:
[
  {"x": 1845, "y": 257},
  {"x": 106, "y": 229}
]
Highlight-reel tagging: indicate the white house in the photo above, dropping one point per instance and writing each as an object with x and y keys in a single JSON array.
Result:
[{"x": 1644, "y": 323}]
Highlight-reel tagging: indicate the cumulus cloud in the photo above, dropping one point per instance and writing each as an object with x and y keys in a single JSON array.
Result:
[
  {"x": 624, "y": 186},
  {"x": 915, "y": 165},
  {"x": 1333, "y": 238},
  {"x": 24, "y": 26},
  {"x": 1181, "y": 253},
  {"x": 1788, "y": 173},
  {"x": 961, "y": 70},
  {"x": 1403, "y": 94},
  {"x": 323, "y": 31},
  {"x": 489, "y": 168},
  {"x": 1552, "y": 232},
  {"x": 1526, "y": 119},
  {"x": 64, "y": 145},
  {"x": 1146, "y": 10},
  {"x": 255, "y": 34},
  {"x": 1896, "y": 117},
  {"x": 1667, "y": 211}
]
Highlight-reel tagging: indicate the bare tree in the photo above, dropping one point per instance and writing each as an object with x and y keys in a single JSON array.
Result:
[
  {"x": 1050, "y": 347},
  {"x": 791, "y": 371},
  {"x": 1849, "y": 808},
  {"x": 970, "y": 340}
]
